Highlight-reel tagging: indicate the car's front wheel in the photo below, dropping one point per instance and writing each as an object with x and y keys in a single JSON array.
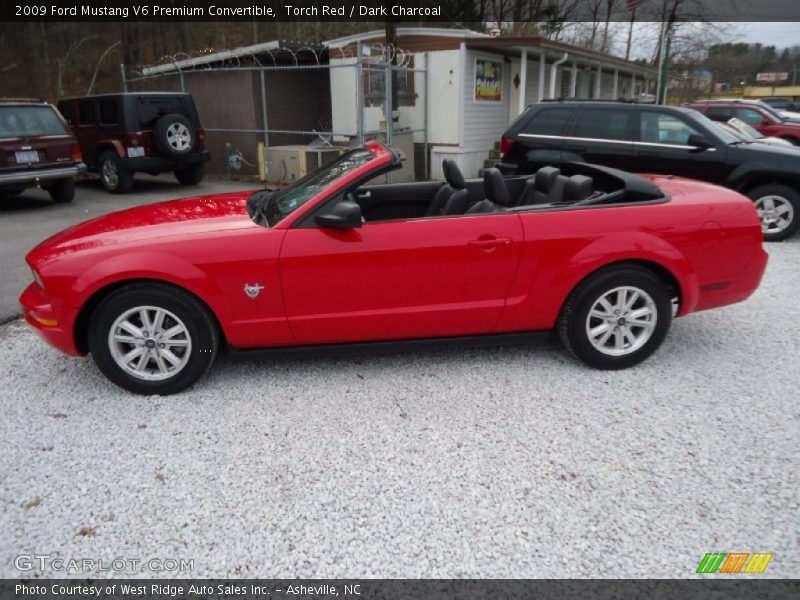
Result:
[
  {"x": 62, "y": 191},
  {"x": 616, "y": 318},
  {"x": 113, "y": 174},
  {"x": 778, "y": 207},
  {"x": 151, "y": 338},
  {"x": 191, "y": 175}
]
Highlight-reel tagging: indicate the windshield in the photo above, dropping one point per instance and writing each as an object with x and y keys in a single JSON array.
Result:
[
  {"x": 774, "y": 113},
  {"x": 715, "y": 128},
  {"x": 28, "y": 121},
  {"x": 289, "y": 199},
  {"x": 745, "y": 128}
]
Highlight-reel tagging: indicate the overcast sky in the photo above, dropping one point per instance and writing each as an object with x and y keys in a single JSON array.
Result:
[{"x": 772, "y": 34}]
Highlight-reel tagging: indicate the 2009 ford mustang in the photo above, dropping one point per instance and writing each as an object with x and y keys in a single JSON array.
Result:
[{"x": 603, "y": 258}]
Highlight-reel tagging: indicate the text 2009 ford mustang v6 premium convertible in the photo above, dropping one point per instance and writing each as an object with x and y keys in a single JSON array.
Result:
[{"x": 602, "y": 257}]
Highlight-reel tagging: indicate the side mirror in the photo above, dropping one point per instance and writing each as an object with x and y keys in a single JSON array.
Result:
[
  {"x": 345, "y": 215},
  {"x": 700, "y": 142}
]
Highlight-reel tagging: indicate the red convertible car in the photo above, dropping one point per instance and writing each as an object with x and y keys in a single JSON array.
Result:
[{"x": 600, "y": 257}]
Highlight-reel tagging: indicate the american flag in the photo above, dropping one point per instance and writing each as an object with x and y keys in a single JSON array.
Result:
[{"x": 632, "y": 4}]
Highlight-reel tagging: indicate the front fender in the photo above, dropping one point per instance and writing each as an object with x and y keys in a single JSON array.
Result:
[{"x": 160, "y": 266}]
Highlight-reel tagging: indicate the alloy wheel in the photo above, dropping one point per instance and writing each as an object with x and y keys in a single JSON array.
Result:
[
  {"x": 776, "y": 213},
  {"x": 621, "y": 321},
  {"x": 150, "y": 343},
  {"x": 110, "y": 174},
  {"x": 179, "y": 137}
]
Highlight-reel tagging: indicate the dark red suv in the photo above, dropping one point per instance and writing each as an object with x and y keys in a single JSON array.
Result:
[
  {"x": 755, "y": 113},
  {"x": 154, "y": 132},
  {"x": 37, "y": 149}
]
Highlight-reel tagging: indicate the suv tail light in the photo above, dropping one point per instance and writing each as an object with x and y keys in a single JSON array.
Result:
[
  {"x": 75, "y": 153},
  {"x": 201, "y": 134},
  {"x": 505, "y": 145}
]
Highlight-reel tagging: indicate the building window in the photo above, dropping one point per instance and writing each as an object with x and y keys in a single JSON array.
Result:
[{"x": 374, "y": 79}]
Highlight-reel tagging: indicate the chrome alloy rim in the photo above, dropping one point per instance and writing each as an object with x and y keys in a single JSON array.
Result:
[
  {"x": 178, "y": 136},
  {"x": 110, "y": 174},
  {"x": 621, "y": 321},
  {"x": 150, "y": 343},
  {"x": 776, "y": 213}
]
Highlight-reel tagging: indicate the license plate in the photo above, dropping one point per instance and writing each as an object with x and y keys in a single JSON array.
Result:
[
  {"x": 135, "y": 151},
  {"x": 31, "y": 156}
]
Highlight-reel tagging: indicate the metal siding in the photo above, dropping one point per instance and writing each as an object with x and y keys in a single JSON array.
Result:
[{"x": 484, "y": 122}]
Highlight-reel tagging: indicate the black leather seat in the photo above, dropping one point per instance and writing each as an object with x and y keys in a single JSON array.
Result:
[
  {"x": 538, "y": 188},
  {"x": 497, "y": 197},
  {"x": 577, "y": 188},
  {"x": 451, "y": 198}
]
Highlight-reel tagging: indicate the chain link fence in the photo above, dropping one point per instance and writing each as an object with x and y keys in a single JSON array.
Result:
[{"x": 306, "y": 105}]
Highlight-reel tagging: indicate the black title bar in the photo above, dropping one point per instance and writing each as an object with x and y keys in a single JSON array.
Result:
[{"x": 454, "y": 12}]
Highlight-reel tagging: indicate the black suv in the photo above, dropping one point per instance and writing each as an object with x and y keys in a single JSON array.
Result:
[
  {"x": 154, "y": 132},
  {"x": 658, "y": 139}
]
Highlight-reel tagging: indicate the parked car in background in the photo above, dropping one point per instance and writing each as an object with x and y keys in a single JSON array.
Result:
[
  {"x": 658, "y": 139},
  {"x": 603, "y": 261},
  {"x": 781, "y": 103},
  {"x": 749, "y": 134},
  {"x": 755, "y": 113},
  {"x": 153, "y": 132},
  {"x": 37, "y": 149}
]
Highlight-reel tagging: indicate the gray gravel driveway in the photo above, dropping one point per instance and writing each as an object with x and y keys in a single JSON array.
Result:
[{"x": 511, "y": 462}]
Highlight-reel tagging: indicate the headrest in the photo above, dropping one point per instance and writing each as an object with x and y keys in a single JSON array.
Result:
[
  {"x": 495, "y": 187},
  {"x": 545, "y": 178},
  {"x": 452, "y": 174},
  {"x": 577, "y": 188}
]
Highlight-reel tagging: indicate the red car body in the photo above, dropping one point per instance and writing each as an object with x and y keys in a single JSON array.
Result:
[
  {"x": 396, "y": 279},
  {"x": 756, "y": 114}
]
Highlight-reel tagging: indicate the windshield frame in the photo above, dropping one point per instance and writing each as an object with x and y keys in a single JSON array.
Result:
[{"x": 285, "y": 219}]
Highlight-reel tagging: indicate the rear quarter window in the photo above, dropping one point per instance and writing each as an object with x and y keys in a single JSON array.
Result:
[
  {"x": 86, "y": 112},
  {"x": 549, "y": 121}
]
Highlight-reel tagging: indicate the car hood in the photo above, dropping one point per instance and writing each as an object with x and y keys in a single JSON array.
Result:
[{"x": 187, "y": 217}]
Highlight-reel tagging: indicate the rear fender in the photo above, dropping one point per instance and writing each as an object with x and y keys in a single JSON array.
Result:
[
  {"x": 113, "y": 145},
  {"x": 540, "y": 293}
]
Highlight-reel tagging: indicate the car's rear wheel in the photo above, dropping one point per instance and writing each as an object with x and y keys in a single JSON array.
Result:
[
  {"x": 151, "y": 338},
  {"x": 113, "y": 174},
  {"x": 778, "y": 207},
  {"x": 62, "y": 191},
  {"x": 191, "y": 175},
  {"x": 174, "y": 135},
  {"x": 616, "y": 318}
]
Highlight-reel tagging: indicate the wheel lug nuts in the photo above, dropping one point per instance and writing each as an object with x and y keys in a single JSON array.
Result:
[{"x": 161, "y": 345}]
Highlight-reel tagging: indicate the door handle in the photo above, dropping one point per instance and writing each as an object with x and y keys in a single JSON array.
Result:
[
  {"x": 489, "y": 244},
  {"x": 364, "y": 195}
]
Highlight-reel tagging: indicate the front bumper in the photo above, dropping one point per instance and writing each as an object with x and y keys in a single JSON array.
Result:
[
  {"x": 56, "y": 325},
  {"x": 161, "y": 163},
  {"x": 36, "y": 176}
]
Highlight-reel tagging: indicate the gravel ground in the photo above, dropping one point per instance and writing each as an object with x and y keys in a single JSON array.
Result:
[{"x": 512, "y": 462}]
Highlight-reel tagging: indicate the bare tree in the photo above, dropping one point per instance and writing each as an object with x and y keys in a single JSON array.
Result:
[
  {"x": 100, "y": 62},
  {"x": 64, "y": 60}
]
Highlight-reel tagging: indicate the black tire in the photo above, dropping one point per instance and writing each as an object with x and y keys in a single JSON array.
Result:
[
  {"x": 174, "y": 136},
  {"x": 62, "y": 191},
  {"x": 783, "y": 197},
  {"x": 574, "y": 320},
  {"x": 113, "y": 174},
  {"x": 191, "y": 175},
  {"x": 196, "y": 358},
  {"x": 11, "y": 191}
]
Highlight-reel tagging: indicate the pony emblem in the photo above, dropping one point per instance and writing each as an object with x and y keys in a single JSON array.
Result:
[{"x": 252, "y": 290}]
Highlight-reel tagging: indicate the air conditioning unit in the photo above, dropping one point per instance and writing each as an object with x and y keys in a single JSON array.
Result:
[{"x": 289, "y": 163}]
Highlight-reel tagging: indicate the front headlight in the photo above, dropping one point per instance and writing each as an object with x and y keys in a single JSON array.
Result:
[{"x": 37, "y": 278}]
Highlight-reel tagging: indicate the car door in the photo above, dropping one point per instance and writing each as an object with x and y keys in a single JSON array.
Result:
[
  {"x": 662, "y": 146},
  {"x": 404, "y": 279},
  {"x": 603, "y": 136}
]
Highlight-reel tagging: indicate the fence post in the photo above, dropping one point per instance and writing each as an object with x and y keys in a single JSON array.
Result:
[
  {"x": 359, "y": 94},
  {"x": 264, "y": 116},
  {"x": 387, "y": 106},
  {"x": 124, "y": 77},
  {"x": 425, "y": 158}
]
